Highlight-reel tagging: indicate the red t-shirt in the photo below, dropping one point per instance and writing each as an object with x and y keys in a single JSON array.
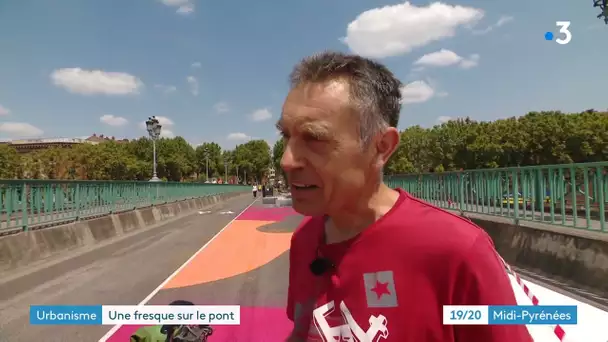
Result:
[{"x": 391, "y": 281}]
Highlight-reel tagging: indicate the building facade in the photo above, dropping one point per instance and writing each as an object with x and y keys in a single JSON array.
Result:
[{"x": 31, "y": 145}]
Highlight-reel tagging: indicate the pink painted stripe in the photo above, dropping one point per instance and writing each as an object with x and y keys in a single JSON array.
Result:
[{"x": 559, "y": 332}]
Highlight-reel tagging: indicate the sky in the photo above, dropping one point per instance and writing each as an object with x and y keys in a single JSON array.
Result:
[{"x": 217, "y": 70}]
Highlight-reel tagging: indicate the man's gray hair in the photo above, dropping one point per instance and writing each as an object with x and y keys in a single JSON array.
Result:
[{"x": 374, "y": 90}]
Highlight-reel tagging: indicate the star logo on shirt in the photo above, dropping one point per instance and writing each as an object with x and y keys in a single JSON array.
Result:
[{"x": 381, "y": 289}]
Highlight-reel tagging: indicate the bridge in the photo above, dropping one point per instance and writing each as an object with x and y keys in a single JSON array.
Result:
[{"x": 152, "y": 243}]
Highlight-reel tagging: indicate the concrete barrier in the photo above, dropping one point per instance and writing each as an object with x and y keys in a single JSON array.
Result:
[
  {"x": 572, "y": 256},
  {"x": 25, "y": 248},
  {"x": 269, "y": 200},
  {"x": 278, "y": 201}
]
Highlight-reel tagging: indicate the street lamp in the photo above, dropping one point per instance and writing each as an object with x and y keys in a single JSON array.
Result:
[
  {"x": 225, "y": 171},
  {"x": 153, "y": 127},
  {"x": 206, "y": 153}
]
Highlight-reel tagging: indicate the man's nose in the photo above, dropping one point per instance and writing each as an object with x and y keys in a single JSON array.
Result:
[{"x": 291, "y": 159}]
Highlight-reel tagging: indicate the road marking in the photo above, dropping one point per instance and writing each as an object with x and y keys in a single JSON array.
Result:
[
  {"x": 115, "y": 328},
  {"x": 243, "y": 236}
]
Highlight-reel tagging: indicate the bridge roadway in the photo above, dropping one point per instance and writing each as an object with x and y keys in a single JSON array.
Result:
[
  {"x": 125, "y": 271},
  {"x": 246, "y": 265}
]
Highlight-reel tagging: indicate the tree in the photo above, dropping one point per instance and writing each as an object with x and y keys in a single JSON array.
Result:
[
  {"x": 603, "y": 5},
  {"x": 9, "y": 162},
  {"x": 277, "y": 153},
  {"x": 253, "y": 158},
  {"x": 537, "y": 138},
  {"x": 176, "y": 159},
  {"x": 213, "y": 153}
]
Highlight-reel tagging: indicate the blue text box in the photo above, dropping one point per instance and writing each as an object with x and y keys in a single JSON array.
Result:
[
  {"x": 532, "y": 314},
  {"x": 65, "y": 314}
]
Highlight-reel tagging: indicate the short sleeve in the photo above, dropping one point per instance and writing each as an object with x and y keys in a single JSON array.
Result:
[{"x": 482, "y": 280}]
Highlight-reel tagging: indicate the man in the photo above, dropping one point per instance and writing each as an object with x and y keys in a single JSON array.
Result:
[
  {"x": 255, "y": 191},
  {"x": 385, "y": 262}
]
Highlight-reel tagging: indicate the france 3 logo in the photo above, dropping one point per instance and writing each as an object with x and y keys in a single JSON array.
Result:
[{"x": 565, "y": 36}]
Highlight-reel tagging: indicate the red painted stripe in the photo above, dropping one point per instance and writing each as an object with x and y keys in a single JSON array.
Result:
[{"x": 558, "y": 330}]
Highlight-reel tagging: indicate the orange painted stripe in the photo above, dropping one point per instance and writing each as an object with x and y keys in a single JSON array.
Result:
[{"x": 240, "y": 248}]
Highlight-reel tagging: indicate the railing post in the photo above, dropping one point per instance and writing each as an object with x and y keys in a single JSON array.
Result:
[
  {"x": 515, "y": 177},
  {"x": 77, "y": 201},
  {"x": 24, "y": 207},
  {"x": 587, "y": 204},
  {"x": 600, "y": 197},
  {"x": 110, "y": 197},
  {"x": 461, "y": 192}
]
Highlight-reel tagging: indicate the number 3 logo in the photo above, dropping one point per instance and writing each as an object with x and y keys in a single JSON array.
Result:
[{"x": 563, "y": 28}]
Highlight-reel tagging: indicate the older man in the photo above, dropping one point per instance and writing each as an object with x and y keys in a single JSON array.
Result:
[{"x": 370, "y": 263}]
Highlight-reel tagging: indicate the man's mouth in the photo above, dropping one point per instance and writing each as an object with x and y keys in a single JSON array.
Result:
[{"x": 303, "y": 186}]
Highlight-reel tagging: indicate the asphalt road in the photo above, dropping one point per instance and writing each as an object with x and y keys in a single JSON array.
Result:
[
  {"x": 245, "y": 265},
  {"x": 123, "y": 272}
]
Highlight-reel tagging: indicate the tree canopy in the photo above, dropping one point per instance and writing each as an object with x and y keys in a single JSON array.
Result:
[
  {"x": 177, "y": 160},
  {"x": 603, "y": 6},
  {"x": 537, "y": 138}
]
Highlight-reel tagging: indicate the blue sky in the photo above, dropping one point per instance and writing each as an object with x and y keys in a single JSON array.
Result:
[{"x": 70, "y": 68}]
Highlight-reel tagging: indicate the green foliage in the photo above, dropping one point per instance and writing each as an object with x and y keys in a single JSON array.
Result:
[
  {"x": 277, "y": 154},
  {"x": 538, "y": 138},
  {"x": 252, "y": 157},
  {"x": 534, "y": 139},
  {"x": 9, "y": 162},
  {"x": 603, "y": 5},
  {"x": 177, "y": 160},
  {"x": 210, "y": 153}
]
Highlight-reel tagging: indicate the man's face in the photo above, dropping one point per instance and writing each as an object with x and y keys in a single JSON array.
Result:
[{"x": 324, "y": 160}]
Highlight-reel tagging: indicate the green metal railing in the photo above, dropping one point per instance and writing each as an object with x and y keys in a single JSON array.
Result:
[
  {"x": 572, "y": 195},
  {"x": 27, "y": 204}
]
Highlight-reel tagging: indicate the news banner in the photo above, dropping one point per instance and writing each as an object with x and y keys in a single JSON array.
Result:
[
  {"x": 231, "y": 315},
  {"x": 135, "y": 315},
  {"x": 510, "y": 315}
]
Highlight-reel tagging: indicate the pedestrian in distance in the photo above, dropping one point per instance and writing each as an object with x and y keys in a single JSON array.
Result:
[
  {"x": 370, "y": 263},
  {"x": 255, "y": 191}
]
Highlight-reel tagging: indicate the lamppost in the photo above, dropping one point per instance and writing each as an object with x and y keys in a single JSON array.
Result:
[
  {"x": 153, "y": 127},
  {"x": 225, "y": 171},
  {"x": 206, "y": 152}
]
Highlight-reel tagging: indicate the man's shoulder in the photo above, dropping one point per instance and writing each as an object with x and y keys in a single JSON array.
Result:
[
  {"x": 310, "y": 228},
  {"x": 422, "y": 223}
]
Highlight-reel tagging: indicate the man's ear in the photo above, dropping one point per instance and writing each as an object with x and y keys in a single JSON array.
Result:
[{"x": 386, "y": 145}]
